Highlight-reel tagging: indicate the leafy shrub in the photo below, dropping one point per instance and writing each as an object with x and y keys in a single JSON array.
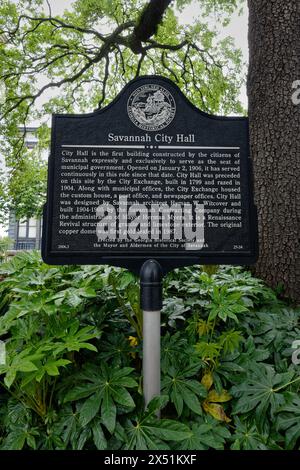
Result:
[
  {"x": 5, "y": 244},
  {"x": 72, "y": 377}
]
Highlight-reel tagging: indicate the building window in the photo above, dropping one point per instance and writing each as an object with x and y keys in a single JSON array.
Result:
[
  {"x": 22, "y": 231},
  {"x": 27, "y": 228},
  {"x": 32, "y": 228}
]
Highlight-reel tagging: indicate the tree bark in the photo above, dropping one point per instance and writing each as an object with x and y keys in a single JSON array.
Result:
[{"x": 274, "y": 35}]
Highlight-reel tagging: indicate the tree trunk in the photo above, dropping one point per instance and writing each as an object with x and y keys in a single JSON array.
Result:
[{"x": 274, "y": 35}]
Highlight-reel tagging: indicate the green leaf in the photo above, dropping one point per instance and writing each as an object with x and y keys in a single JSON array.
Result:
[
  {"x": 15, "y": 440},
  {"x": 122, "y": 396},
  {"x": 83, "y": 438},
  {"x": 176, "y": 398},
  {"x": 103, "y": 387},
  {"x": 151, "y": 433},
  {"x": 288, "y": 420},
  {"x": 67, "y": 425},
  {"x": 31, "y": 442},
  {"x": 128, "y": 382},
  {"x": 98, "y": 436},
  {"x": 230, "y": 340},
  {"x": 191, "y": 400},
  {"x": 51, "y": 367},
  {"x": 225, "y": 304},
  {"x": 208, "y": 351},
  {"x": 10, "y": 377},
  {"x": 246, "y": 436},
  {"x": 82, "y": 391},
  {"x": 206, "y": 434},
  {"x": 108, "y": 412},
  {"x": 26, "y": 366},
  {"x": 170, "y": 430},
  {"x": 90, "y": 408},
  {"x": 262, "y": 391},
  {"x": 182, "y": 390},
  {"x": 156, "y": 404},
  {"x": 173, "y": 347}
]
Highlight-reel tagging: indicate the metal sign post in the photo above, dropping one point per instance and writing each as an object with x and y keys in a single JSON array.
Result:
[{"x": 151, "y": 303}]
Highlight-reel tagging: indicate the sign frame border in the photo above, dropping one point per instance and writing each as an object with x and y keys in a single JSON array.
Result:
[{"x": 132, "y": 261}]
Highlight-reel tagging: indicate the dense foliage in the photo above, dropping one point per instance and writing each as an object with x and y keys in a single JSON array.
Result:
[
  {"x": 72, "y": 378},
  {"x": 5, "y": 244}
]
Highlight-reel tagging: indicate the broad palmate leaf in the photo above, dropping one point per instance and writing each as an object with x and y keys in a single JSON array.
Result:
[
  {"x": 149, "y": 432},
  {"x": 104, "y": 389},
  {"x": 289, "y": 419},
  {"x": 262, "y": 391}
]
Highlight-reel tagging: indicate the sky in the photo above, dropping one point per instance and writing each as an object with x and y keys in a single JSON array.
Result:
[{"x": 237, "y": 28}]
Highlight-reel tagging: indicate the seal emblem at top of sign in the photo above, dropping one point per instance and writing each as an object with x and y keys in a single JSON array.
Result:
[{"x": 151, "y": 107}]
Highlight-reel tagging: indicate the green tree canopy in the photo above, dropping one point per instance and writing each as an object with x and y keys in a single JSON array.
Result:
[{"x": 80, "y": 60}]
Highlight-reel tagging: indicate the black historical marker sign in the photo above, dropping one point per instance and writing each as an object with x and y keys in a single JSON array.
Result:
[{"x": 149, "y": 176}]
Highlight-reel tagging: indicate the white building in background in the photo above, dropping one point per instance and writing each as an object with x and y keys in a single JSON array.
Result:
[{"x": 26, "y": 233}]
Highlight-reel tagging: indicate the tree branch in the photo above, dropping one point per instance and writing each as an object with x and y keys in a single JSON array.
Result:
[
  {"x": 54, "y": 22},
  {"x": 106, "y": 74},
  {"x": 138, "y": 70},
  {"x": 103, "y": 53},
  {"x": 149, "y": 21},
  {"x": 166, "y": 47}
]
